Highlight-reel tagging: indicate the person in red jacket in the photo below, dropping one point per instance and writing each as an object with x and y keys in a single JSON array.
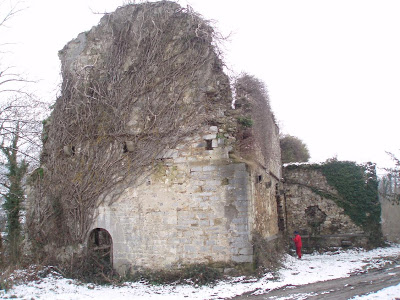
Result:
[{"x": 298, "y": 243}]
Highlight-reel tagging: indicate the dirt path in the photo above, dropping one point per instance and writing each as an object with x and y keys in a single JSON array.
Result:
[{"x": 337, "y": 289}]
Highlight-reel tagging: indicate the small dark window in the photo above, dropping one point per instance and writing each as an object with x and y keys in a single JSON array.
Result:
[
  {"x": 259, "y": 178},
  {"x": 125, "y": 148},
  {"x": 69, "y": 150},
  {"x": 128, "y": 146},
  {"x": 96, "y": 237},
  {"x": 209, "y": 145}
]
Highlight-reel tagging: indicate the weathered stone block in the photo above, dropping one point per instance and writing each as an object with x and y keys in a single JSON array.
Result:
[
  {"x": 213, "y": 129},
  {"x": 196, "y": 168},
  {"x": 180, "y": 160},
  {"x": 246, "y": 251},
  {"x": 210, "y": 136},
  {"x": 209, "y": 168},
  {"x": 241, "y": 175},
  {"x": 243, "y": 258}
]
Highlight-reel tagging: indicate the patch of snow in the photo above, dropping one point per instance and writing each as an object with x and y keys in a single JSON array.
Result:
[
  {"x": 311, "y": 268},
  {"x": 301, "y": 164},
  {"x": 392, "y": 292}
]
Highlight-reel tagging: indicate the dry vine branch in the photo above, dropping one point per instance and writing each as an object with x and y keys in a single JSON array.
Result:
[
  {"x": 253, "y": 96},
  {"x": 11, "y": 12},
  {"x": 145, "y": 85}
]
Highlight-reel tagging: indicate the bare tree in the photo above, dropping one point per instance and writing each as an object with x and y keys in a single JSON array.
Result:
[
  {"x": 20, "y": 131},
  {"x": 293, "y": 149},
  {"x": 14, "y": 196},
  {"x": 390, "y": 183},
  {"x": 27, "y": 112},
  {"x": 11, "y": 81},
  {"x": 17, "y": 104},
  {"x": 20, "y": 112},
  {"x": 14, "y": 8}
]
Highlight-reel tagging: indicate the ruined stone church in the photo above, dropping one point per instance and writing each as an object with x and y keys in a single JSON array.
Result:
[{"x": 146, "y": 156}]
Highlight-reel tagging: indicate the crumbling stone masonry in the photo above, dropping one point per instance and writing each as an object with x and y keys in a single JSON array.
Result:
[
  {"x": 390, "y": 218},
  {"x": 320, "y": 221},
  {"x": 144, "y": 157},
  {"x": 196, "y": 207}
]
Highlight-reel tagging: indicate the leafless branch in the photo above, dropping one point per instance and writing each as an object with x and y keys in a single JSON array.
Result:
[
  {"x": 11, "y": 12},
  {"x": 90, "y": 123}
]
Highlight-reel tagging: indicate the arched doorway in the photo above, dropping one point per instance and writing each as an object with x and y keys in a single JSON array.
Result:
[{"x": 100, "y": 248}]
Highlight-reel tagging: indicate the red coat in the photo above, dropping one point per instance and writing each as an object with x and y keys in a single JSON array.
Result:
[{"x": 297, "y": 240}]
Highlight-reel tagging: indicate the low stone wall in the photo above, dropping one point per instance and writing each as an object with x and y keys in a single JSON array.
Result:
[
  {"x": 320, "y": 221},
  {"x": 333, "y": 241}
]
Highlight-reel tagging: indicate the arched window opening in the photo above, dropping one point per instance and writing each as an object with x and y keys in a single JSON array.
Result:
[
  {"x": 100, "y": 248},
  {"x": 124, "y": 148}
]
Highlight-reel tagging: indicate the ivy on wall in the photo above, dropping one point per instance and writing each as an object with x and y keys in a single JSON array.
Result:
[{"x": 357, "y": 187}]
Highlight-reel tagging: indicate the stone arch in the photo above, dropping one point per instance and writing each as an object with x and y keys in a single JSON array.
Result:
[{"x": 100, "y": 247}]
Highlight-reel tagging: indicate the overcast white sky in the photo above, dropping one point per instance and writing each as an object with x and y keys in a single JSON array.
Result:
[{"x": 332, "y": 67}]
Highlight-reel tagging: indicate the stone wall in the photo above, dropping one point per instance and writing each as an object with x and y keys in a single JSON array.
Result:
[
  {"x": 320, "y": 221},
  {"x": 196, "y": 208},
  {"x": 259, "y": 144},
  {"x": 390, "y": 207},
  {"x": 390, "y": 220},
  {"x": 143, "y": 143}
]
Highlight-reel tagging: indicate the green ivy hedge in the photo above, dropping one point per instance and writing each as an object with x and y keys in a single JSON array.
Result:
[{"x": 357, "y": 187}]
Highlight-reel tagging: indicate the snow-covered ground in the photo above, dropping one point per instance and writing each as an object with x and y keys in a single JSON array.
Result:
[
  {"x": 311, "y": 268},
  {"x": 391, "y": 293}
]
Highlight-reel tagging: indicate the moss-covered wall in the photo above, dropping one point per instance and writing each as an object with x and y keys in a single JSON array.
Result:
[{"x": 334, "y": 198}]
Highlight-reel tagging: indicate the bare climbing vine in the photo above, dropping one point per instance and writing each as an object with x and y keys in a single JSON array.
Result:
[
  {"x": 257, "y": 122},
  {"x": 135, "y": 90}
]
